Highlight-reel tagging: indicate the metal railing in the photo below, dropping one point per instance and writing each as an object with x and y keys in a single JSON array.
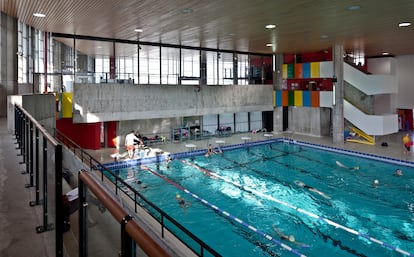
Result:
[{"x": 137, "y": 199}]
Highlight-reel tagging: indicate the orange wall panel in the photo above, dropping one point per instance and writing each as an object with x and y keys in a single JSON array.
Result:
[
  {"x": 298, "y": 71},
  {"x": 315, "y": 99}
]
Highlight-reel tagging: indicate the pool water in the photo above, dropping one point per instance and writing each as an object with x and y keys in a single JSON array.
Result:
[{"x": 262, "y": 192}]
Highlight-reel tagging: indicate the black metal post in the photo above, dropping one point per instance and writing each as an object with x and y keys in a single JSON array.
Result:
[
  {"x": 83, "y": 237},
  {"x": 127, "y": 243},
  {"x": 37, "y": 173},
  {"x": 59, "y": 219},
  {"x": 30, "y": 159},
  {"x": 46, "y": 226}
]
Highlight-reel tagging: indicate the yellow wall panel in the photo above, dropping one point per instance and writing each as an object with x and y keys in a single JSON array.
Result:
[
  {"x": 66, "y": 105},
  {"x": 298, "y": 98},
  {"x": 315, "y": 70},
  {"x": 284, "y": 71}
]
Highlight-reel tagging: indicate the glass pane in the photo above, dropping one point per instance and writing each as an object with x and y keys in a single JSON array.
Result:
[
  {"x": 190, "y": 67},
  {"x": 170, "y": 65}
]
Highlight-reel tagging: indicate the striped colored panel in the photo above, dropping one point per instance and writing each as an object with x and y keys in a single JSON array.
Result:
[
  {"x": 277, "y": 96},
  {"x": 306, "y": 70},
  {"x": 298, "y": 98},
  {"x": 315, "y": 99},
  {"x": 315, "y": 70},
  {"x": 66, "y": 105},
  {"x": 285, "y": 98},
  {"x": 291, "y": 98},
  {"x": 298, "y": 70},
  {"x": 290, "y": 71},
  {"x": 284, "y": 71},
  {"x": 306, "y": 98}
]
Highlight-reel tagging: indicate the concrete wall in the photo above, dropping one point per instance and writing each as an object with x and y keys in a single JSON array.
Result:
[
  {"x": 109, "y": 102},
  {"x": 310, "y": 120},
  {"x": 8, "y": 60},
  {"x": 41, "y": 106},
  {"x": 404, "y": 72}
]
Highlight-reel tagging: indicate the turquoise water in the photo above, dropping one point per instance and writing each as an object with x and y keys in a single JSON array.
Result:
[{"x": 290, "y": 189}]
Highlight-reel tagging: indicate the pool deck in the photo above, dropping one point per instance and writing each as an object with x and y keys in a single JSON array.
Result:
[
  {"x": 18, "y": 220},
  {"x": 393, "y": 150}
]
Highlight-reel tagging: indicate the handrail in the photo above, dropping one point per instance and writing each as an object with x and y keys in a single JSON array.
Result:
[{"x": 142, "y": 238}]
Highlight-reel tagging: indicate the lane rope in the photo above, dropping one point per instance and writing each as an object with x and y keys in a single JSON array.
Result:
[
  {"x": 225, "y": 213},
  {"x": 315, "y": 216}
]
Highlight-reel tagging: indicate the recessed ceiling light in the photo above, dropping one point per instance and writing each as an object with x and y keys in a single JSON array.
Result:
[
  {"x": 354, "y": 7},
  {"x": 138, "y": 30},
  {"x": 385, "y": 53},
  {"x": 38, "y": 14},
  {"x": 269, "y": 44},
  {"x": 270, "y": 26},
  {"x": 324, "y": 36},
  {"x": 186, "y": 10},
  {"x": 404, "y": 24}
]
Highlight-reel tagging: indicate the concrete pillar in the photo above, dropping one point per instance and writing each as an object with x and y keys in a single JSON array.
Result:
[
  {"x": 8, "y": 60},
  {"x": 277, "y": 85},
  {"x": 338, "y": 96}
]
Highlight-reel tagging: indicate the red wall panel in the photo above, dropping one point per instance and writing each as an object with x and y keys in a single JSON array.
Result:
[{"x": 86, "y": 135}]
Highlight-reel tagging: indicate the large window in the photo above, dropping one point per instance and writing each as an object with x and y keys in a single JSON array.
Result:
[
  {"x": 170, "y": 65},
  {"x": 149, "y": 65},
  {"x": 226, "y": 75},
  {"x": 190, "y": 67}
]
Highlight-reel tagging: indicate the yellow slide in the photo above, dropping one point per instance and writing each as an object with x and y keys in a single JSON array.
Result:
[{"x": 369, "y": 140}]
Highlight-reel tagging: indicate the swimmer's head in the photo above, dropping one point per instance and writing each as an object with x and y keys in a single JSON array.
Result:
[
  {"x": 376, "y": 182},
  {"x": 356, "y": 168},
  {"x": 177, "y": 195},
  {"x": 291, "y": 238}
]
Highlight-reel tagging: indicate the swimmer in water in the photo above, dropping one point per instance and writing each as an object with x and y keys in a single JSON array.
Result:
[
  {"x": 183, "y": 203},
  {"x": 398, "y": 173},
  {"x": 289, "y": 238},
  {"x": 312, "y": 189},
  {"x": 167, "y": 161},
  {"x": 346, "y": 167}
]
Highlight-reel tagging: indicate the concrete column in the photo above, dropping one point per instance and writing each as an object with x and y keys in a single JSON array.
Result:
[
  {"x": 338, "y": 97},
  {"x": 8, "y": 60},
  {"x": 277, "y": 85}
]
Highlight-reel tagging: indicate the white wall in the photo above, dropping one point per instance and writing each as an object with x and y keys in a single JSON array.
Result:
[
  {"x": 385, "y": 65},
  {"x": 405, "y": 75}
]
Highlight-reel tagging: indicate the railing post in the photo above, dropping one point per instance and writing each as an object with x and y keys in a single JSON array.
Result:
[
  {"x": 30, "y": 156},
  {"x": 37, "y": 186},
  {"x": 59, "y": 219},
  {"x": 127, "y": 243},
  {"x": 45, "y": 226},
  {"x": 83, "y": 237}
]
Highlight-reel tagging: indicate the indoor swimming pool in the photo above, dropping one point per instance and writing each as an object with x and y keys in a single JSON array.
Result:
[{"x": 251, "y": 201}]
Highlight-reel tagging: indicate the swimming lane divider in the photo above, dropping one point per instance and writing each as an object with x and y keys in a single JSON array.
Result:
[
  {"x": 315, "y": 216},
  {"x": 225, "y": 213}
]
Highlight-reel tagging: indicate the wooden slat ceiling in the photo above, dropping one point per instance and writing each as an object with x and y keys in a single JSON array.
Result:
[{"x": 301, "y": 25}]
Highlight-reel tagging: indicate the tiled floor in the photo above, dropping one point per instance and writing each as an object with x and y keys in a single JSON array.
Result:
[{"x": 18, "y": 221}]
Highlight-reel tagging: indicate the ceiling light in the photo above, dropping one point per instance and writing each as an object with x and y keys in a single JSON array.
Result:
[
  {"x": 404, "y": 24},
  {"x": 324, "y": 36},
  {"x": 270, "y": 26},
  {"x": 138, "y": 30},
  {"x": 38, "y": 14},
  {"x": 385, "y": 53},
  {"x": 354, "y": 7},
  {"x": 186, "y": 10},
  {"x": 269, "y": 44}
]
